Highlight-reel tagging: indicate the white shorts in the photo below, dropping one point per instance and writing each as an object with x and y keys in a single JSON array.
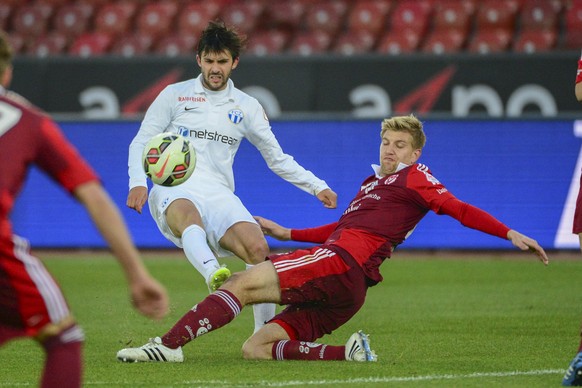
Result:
[{"x": 218, "y": 207}]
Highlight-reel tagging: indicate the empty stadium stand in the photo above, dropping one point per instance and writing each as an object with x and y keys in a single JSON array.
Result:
[{"x": 293, "y": 27}]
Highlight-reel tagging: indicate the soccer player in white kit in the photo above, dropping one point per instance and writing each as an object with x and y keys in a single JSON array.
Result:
[{"x": 203, "y": 215}]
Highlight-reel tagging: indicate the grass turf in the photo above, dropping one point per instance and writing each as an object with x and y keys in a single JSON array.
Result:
[{"x": 446, "y": 319}]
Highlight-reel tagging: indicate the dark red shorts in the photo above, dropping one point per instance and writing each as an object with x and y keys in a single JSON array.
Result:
[
  {"x": 577, "y": 225},
  {"x": 322, "y": 291},
  {"x": 30, "y": 298}
]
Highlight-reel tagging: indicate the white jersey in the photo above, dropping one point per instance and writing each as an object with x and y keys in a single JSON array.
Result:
[{"x": 216, "y": 129}]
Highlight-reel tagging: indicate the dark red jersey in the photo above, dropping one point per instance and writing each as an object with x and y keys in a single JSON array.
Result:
[
  {"x": 29, "y": 137},
  {"x": 385, "y": 212}
]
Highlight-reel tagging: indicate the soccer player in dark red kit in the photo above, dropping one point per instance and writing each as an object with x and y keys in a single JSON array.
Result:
[
  {"x": 326, "y": 285},
  {"x": 31, "y": 303},
  {"x": 573, "y": 376}
]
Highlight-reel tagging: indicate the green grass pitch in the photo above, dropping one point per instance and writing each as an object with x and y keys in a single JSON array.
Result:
[{"x": 462, "y": 319}]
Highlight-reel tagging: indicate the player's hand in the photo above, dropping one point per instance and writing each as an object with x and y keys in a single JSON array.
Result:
[
  {"x": 328, "y": 197},
  {"x": 137, "y": 197},
  {"x": 526, "y": 243},
  {"x": 150, "y": 298},
  {"x": 271, "y": 228}
]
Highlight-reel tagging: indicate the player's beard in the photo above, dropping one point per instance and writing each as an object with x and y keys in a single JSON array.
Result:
[{"x": 213, "y": 86}]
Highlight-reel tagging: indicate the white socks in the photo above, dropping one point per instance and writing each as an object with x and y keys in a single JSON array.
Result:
[
  {"x": 262, "y": 311},
  {"x": 198, "y": 252}
]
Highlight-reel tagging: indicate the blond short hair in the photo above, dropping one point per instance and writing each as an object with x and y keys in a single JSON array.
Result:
[{"x": 409, "y": 124}]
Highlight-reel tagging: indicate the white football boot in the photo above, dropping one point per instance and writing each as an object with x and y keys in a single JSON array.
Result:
[
  {"x": 153, "y": 351},
  {"x": 358, "y": 348}
]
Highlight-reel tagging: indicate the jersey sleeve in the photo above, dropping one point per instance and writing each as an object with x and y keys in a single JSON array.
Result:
[
  {"x": 316, "y": 235},
  {"x": 474, "y": 218},
  {"x": 60, "y": 159},
  {"x": 156, "y": 120},
  {"x": 433, "y": 192},
  {"x": 282, "y": 164},
  {"x": 441, "y": 201}
]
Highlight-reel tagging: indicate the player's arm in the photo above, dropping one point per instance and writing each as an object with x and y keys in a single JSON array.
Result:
[
  {"x": 316, "y": 235},
  {"x": 261, "y": 136},
  {"x": 475, "y": 218},
  {"x": 147, "y": 295}
]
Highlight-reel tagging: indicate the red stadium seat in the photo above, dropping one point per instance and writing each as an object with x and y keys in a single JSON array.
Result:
[
  {"x": 115, "y": 18},
  {"x": 285, "y": 14},
  {"x": 354, "y": 42},
  {"x": 533, "y": 41},
  {"x": 91, "y": 44},
  {"x": 176, "y": 45},
  {"x": 245, "y": 16},
  {"x": 194, "y": 17},
  {"x": 54, "y": 43},
  {"x": 368, "y": 15},
  {"x": 411, "y": 14},
  {"x": 573, "y": 25},
  {"x": 310, "y": 42},
  {"x": 53, "y": 3},
  {"x": 540, "y": 15},
  {"x": 494, "y": 14},
  {"x": 32, "y": 20},
  {"x": 6, "y": 11},
  {"x": 445, "y": 41},
  {"x": 490, "y": 41},
  {"x": 399, "y": 42},
  {"x": 267, "y": 42},
  {"x": 327, "y": 16},
  {"x": 453, "y": 14},
  {"x": 15, "y": 3},
  {"x": 95, "y": 3},
  {"x": 132, "y": 44},
  {"x": 156, "y": 19},
  {"x": 73, "y": 19}
]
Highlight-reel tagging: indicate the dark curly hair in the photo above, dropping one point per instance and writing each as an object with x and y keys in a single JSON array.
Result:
[{"x": 217, "y": 37}]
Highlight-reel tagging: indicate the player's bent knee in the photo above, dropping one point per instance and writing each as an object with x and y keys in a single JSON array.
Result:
[{"x": 258, "y": 252}]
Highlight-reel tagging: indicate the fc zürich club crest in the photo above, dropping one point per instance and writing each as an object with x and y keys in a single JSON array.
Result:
[{"x": 236, "y": 116}]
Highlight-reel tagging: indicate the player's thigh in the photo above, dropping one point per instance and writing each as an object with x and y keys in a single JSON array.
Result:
[
  {"x": 322, "y": 290},
  {"x": 160, "y": 199},
  {"x": 246, "y": 240},
  {"x": 182, "y": 213},
  {"x": 231, "y": 228}
]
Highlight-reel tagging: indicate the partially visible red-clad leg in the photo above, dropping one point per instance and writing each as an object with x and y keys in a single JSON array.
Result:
[{"x": 32, "y": 305}]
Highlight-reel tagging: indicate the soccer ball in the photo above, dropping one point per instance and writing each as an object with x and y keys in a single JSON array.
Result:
[{"x": 169, "y": 159}]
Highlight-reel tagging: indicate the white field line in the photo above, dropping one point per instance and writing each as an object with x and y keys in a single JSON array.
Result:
[{"x": 363, "y": 380}]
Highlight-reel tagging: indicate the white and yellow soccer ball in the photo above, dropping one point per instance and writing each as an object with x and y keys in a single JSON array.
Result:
[{"x": 169, "y": 159}]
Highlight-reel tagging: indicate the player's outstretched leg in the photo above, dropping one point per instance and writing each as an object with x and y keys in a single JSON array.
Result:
[
  {"x": 358, "y": 348},
  {"x": 215, "y": 311}
]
